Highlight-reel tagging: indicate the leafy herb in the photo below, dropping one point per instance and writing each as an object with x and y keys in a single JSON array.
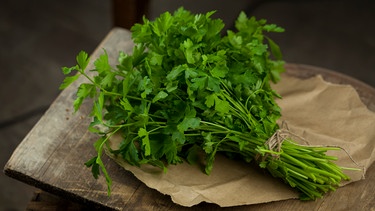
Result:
[{"x": 186, "y": 88}]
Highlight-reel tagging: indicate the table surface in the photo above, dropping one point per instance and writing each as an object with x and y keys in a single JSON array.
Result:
[{"x": 51, "y": 156}]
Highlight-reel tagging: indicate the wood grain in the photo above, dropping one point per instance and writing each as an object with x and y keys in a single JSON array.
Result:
[{"x": 51, "y": 156}]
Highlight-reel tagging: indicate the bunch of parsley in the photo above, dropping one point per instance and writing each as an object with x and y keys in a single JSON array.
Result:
[{"x": 188, "y": 89}]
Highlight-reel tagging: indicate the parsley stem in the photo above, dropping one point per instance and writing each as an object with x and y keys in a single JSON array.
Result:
[
  {"x": 132, "y": 124},
  {"x": 215, "y": 125},
  {"x": 108, "y": 92},
  {"x": 306, "y": 156},
  {"x": 157, "y": 128},
  {"x": 98, "y": 85},
  {"x": 137, "y": 98}
]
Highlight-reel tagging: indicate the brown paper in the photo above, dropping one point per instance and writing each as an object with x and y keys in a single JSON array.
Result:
[
  {"x": 320, "y": 112},
  {"x": 330, "y": 114}
]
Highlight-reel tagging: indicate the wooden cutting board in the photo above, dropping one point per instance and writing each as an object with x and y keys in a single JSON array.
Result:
[{"x": 51, "y": 156}]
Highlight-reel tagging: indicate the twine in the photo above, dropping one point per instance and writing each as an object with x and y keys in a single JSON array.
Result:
[{"x": 275, "y": 142}]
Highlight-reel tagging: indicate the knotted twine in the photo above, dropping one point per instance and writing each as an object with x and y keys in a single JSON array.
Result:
[{"x": 282, "y": 134}]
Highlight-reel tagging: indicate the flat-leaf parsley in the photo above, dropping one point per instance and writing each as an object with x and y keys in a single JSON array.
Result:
[{"x": 188, "y": 89}]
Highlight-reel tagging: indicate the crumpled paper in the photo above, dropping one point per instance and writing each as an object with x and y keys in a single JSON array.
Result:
[{"x": 322, "y": 113}]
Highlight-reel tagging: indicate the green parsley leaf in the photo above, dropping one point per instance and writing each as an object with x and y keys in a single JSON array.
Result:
[
  {"x": 210, "y": 100},
  {"x": 68, "y": 70},
  {"x": 82, "y": 60},
  {"x": 160, "y": 95},
  {"x": 84, "y": 90},
  {"x": 142, "y": 132},
  {"x": 68, "y": 80},
  {"x": 188, "y": 122}
]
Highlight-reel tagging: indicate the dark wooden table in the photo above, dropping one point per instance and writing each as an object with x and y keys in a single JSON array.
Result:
[{"x": 51, "y": 156}]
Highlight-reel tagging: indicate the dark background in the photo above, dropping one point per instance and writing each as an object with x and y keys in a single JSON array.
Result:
[{"x": 38, "y": 37}]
